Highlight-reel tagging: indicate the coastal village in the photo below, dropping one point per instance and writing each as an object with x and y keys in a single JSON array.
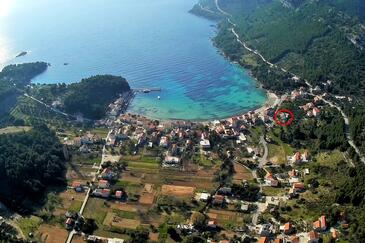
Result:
[
  {"x": 174, "y": 176},
  {"x": 81, "y": 163},
  {"x": 135, "y": 179}
]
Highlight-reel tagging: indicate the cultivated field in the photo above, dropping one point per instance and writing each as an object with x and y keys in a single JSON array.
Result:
[
  {"x": 241, "y": 174},
  {"x": 171, "y": 190},
  {"x": 13, "y": 129},
  {"x": 52, "y": 234}
]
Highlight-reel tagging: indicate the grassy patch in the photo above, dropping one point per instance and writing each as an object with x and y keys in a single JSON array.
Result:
[
  {"x": 13, "y": 129},
  {"x": 273, "y": 191},
  {"x": 128, "y": 186},
  {"x": 330, "y": 159},
  {"x": 140, "y": 165},
  {"x": 75, "y": 206},
  {"x": 278, "y": 150},
  {"x": 88, "y": 160},
  {"x": 29, "y": 224},
  {"x": 142, "y": 159},
  {"x": 125, "y": 214},
  {"x": 96, "y": 209},
  {"x": 101, "y": 132},
  {"x": 256, "y": 132}
]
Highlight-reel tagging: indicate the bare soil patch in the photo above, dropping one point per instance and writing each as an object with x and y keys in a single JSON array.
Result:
[
  {"x": 52, "y": 234},
  {"x": 113, "y": 220},
  {"x": 241, "y": 173},
  {"x": 177, "y": 190}
]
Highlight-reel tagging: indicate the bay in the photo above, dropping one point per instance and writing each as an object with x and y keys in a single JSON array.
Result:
[{"x": 151, "y": 43}]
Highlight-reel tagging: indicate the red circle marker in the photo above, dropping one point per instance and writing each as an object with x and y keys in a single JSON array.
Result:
[{"x": 287, "y": 123}]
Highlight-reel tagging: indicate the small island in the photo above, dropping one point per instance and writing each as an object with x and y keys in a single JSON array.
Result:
[{"x": 23, "y": 53}]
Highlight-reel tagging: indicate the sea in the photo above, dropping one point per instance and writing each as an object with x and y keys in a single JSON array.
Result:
[{"x": 153, "y": 44}]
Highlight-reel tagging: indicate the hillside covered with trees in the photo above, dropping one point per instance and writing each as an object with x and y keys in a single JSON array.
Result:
[
  {"x": 30, "y": 162},
  {"x": 92, "y": 96},
  {"x": 324, "y": 43},
  {"x": 89, "y": 97},
  {"x": 317, "y": 40},
  {"x": 14, "y": 78}
]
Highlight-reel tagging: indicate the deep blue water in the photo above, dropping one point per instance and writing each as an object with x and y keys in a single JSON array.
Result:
[{"x": 151, "y": 43}]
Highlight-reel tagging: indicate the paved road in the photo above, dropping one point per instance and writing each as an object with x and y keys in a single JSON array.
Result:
[
  {"x": 206, "y": 9},
  {"x": 347, "y": 129},
  {"x": 47, "y": 106},
  {"x": 221, "y": 10},
  {"x": 263, "y": 159},
  {"x": 87, "y": 196}
]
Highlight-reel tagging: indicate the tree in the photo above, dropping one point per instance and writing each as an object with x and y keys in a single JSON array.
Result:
[
  {"x": 89, "y": 226},
  {"x": 139, "y": 236},
  {"x": 198, "y": 219}
]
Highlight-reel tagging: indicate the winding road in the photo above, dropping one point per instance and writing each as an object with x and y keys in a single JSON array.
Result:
[
  {"x": 263, "y": 159},
  {"x": 345, "y": 117}
]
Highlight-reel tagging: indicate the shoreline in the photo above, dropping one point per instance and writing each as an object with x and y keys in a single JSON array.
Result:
[
  {"x": 271, "y": 101},
  {"x": 271, "y": 98}
]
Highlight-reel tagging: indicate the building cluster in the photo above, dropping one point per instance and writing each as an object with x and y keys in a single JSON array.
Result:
[
  {"x": 84, "y": 143},
  {"x": 74, "y": 221},
  {"x": 103, "y": 188},
  {"x": 99, "y": 239},
  {"x": 287, "y": 232},
  {"x": 237, "y": 126}
]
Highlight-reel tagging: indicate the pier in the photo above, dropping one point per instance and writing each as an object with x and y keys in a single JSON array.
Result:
[{"x": 147, "y": 90}]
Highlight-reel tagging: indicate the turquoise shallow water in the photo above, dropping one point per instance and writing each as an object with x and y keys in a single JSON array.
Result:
[{"x": 151, "y": 43}]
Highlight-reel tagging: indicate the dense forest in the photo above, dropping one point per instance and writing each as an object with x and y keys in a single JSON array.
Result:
[
  {"x": 21, "y": 74},
  {"x": 317, "y": 40},
  {"x": 92, "y": 96},
  {"x": 29, "y": 163}
]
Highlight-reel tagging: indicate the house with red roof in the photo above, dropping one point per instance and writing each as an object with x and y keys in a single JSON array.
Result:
[
  {"x": 103, "y": 184},
  {"x": 294, "y": 239},
  {"x": 118, "y": 194},
  {"x": 105, "y": 193},
  {"x": 263, "y": 240},
  {"x": 313, "y": 237},
  {"x": 218, "y": 200},
  {"x": 320, "y": 224},
  {"x": 316, "y": 111},
  {"x": 77, "y": 186},
  {"x": 298, "y": 187},
  {"x": 287, "y": 228},
  {"x": 278, "y": 240},
  {"x": 270, "y": 180},
  {"x": 212, "y": 224}
]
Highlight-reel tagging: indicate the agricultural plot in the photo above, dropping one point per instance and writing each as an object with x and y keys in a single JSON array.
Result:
[
  {"x": 115, "y": 220},
  {"x": 241, "y": 173},
  {"x": 278, "y": 151},
  {"x": 12, "y": 129},
  {"x": 52, "y": 234},
  {"x": 227, "y": 219},
  {"x": 142, "y": 162},
  {"x": 171, "y": 190}
]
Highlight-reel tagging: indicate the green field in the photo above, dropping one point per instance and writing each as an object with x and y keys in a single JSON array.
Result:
[
  {"x": 96, "y": 209},
  {"x": 125, "y": 214},
  {"x": 330, "y": 159},
  {"x": 278, "y": 151},
  {"x": 14, "y": 129},
  {"x": 29, "y": 224}
]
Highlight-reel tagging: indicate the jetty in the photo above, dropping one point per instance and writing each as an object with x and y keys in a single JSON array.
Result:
[{"x": 146, "y": 90}]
